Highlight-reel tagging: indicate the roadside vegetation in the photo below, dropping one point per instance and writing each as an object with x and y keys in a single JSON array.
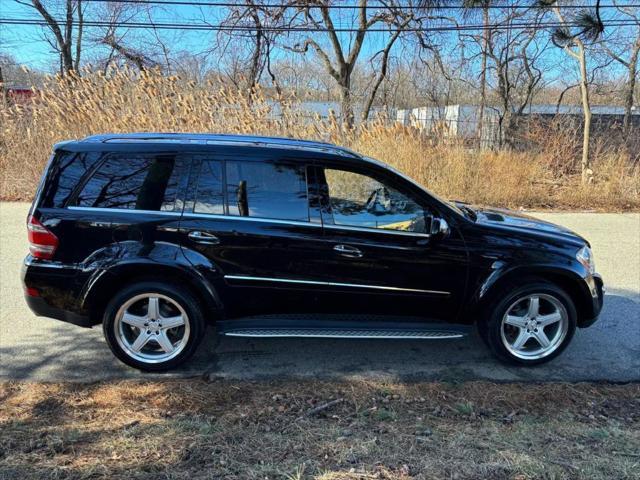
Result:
[
  {"x": 348, "y": 430},
  {"x": 547, "y": 175}
]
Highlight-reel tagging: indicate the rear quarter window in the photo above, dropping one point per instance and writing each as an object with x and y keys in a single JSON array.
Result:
[
  {"x": 66, "y": 172},
  {"x": 135, "y": 182}
]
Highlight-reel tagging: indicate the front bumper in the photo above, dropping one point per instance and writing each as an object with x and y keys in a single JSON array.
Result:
[{"x": 596, "y": 290}]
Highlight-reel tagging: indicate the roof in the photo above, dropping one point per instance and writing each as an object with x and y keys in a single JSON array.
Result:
[{"x": 221, "y": 139}]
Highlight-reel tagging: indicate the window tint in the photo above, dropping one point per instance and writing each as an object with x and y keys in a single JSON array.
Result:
[
  {"x": 67, "y": 169},
  {"x": 210, "y": 196},
  {"x": 141, "y": 182},
  {"x": 267, "y": 190},
  {"x": 360, "y": 201}
]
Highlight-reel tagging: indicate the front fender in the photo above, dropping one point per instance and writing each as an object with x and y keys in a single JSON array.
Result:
[{"x": 579, "y": 284}]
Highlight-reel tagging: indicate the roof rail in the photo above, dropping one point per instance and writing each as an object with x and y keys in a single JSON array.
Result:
[{"x": 223, "y": 139}]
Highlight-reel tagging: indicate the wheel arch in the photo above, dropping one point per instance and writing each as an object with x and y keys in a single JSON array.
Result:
[
  {"x": 568, "y": 280},
  {"x": 104, "y": 283}
]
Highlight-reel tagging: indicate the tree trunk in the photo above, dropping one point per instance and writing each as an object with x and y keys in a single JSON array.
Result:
[
  {"x": 587, "y": 173},
  {"x": 79, "y": 37},
  {"x": 483, "y": 73},
  {"x": 631, "y": 86},
  {"x": 3, "y": 90},
  {"x": 65, "y": 47},
  {"x": 346, "y": 109}
]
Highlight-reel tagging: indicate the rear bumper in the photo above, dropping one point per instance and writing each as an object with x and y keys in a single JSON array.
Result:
[
  {"x": 57, "y": 287},
  {"x": 596, "y": 289},
  {"x": 41, "y": 308}
]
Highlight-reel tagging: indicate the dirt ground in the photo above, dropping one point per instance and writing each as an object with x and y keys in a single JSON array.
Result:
[{"x": 194, "y": 429}]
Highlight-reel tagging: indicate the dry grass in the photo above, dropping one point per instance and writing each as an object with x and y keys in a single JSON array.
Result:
[
  {"x": 126, "y": 102},
  {"x": 192, "y": 429}
]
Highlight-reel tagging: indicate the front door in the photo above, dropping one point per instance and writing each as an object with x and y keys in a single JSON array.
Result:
[{"x": 379, "y": 255}]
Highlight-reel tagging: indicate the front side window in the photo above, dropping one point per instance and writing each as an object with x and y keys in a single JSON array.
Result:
[
  {"x": 358, "y": 200},
  {"x": 140, "y": 182},
  {"x": 267, "y": 190}
]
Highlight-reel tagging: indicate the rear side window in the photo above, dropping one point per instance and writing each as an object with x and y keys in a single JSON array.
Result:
[
  {"x": 210, "y": 195},
  {"x": 140, "y": 182},
  {"x": 267, "y": 190},
  {"x": 66, "y": 171}
]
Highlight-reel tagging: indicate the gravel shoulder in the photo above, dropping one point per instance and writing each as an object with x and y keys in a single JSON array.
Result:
[{"x": 38, "y": 349}]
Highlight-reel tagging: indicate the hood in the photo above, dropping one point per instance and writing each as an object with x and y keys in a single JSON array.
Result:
[{"x": 515, "y": 221}]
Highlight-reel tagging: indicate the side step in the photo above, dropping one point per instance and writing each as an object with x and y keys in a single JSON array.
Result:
[
  {"x": 270, "y": 327},
  {"x": 341, "y": 333}
]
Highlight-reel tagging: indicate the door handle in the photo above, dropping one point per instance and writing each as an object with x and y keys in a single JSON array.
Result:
[
  {"x": 204, "y": 238},
  {"x": 348, "y": 251}
]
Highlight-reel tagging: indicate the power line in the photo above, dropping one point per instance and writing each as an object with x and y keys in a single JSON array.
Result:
[
  {"x": 380, "y": 4},
  {"x": 231, "y": 28}
]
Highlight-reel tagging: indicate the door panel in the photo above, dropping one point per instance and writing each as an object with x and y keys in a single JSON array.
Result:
[
  {"x": 395, "y": 274},
  {"x": 379, "y": 255},
  {"x": 250, "y": 217},
  {"x": 254, "y": 258}
]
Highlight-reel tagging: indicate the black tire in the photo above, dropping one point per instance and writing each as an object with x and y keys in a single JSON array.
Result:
[
  {"x": 181, "y": 296},
  {"x": 490, "y": 327}
]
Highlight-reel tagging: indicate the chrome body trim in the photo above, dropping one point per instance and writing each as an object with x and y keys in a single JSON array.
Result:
[
  {"x": 332, "y": 284},
  {"x": 377, "y": 230},
  {"x": 30, "y": 261},
  {"x": 125, "y": 210},
  {"x": 251, "y": 219}
]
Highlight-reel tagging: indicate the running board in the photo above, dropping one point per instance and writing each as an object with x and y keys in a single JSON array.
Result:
[
  {"x": 342, "y": 333},
  {"x": 339, "y": 326}
]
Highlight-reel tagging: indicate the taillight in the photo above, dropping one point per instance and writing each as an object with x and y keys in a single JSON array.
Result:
[{"x": 42, "y": 243}]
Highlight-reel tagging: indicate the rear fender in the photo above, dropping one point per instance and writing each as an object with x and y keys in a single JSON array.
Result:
[{"x": 120, "y": 263}]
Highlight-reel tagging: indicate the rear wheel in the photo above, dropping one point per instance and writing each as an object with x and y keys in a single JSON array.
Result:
[
  {"x": 530, "y": 324},
  {"x": 153, "y": 326}
]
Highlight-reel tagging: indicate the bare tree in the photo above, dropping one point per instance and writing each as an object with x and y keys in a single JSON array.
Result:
[
  {"x": 251, "y": 30},
  {"x": 123, "y": 46},
  {"x": 384, "y": 63},
  {"x": 514, "y": 57},
  {"x": 137, "y": 58},
  {"x": 344, "y": 52},
  {"x": 572, "y": 41},
  {"x": 470, "y": 6},
  {"x": 624, "y": 49},
  {"x": 62, "y": 31}
]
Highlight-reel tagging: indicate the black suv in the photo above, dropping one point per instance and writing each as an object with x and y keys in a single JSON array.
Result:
[{"x": 157, "y": 235}]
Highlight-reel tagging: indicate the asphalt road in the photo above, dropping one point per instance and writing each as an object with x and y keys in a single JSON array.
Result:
[{"x": 41, "y": 349}]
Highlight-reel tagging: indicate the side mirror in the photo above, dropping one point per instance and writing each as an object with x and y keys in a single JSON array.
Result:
[{"x": 439, "y": 227}]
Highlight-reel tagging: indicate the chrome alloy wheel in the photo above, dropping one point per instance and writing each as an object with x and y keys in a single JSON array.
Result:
[
  {"x": 534, "y": 326},
  {"x": 152, "y": 328}
]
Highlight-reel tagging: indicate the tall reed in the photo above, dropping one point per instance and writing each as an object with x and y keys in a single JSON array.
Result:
[{"x": 127, "y": 101}]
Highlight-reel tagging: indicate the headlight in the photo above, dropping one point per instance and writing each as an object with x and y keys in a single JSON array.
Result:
[{"x": 585, "y": 257}]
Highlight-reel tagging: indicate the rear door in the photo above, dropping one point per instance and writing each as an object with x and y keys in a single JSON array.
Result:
[{"x": 250, "y": 216}]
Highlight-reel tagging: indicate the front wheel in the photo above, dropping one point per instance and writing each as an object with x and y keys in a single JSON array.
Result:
[
  {"x": 530, "y": 324},
  {"x": 153, "y": 326}
]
